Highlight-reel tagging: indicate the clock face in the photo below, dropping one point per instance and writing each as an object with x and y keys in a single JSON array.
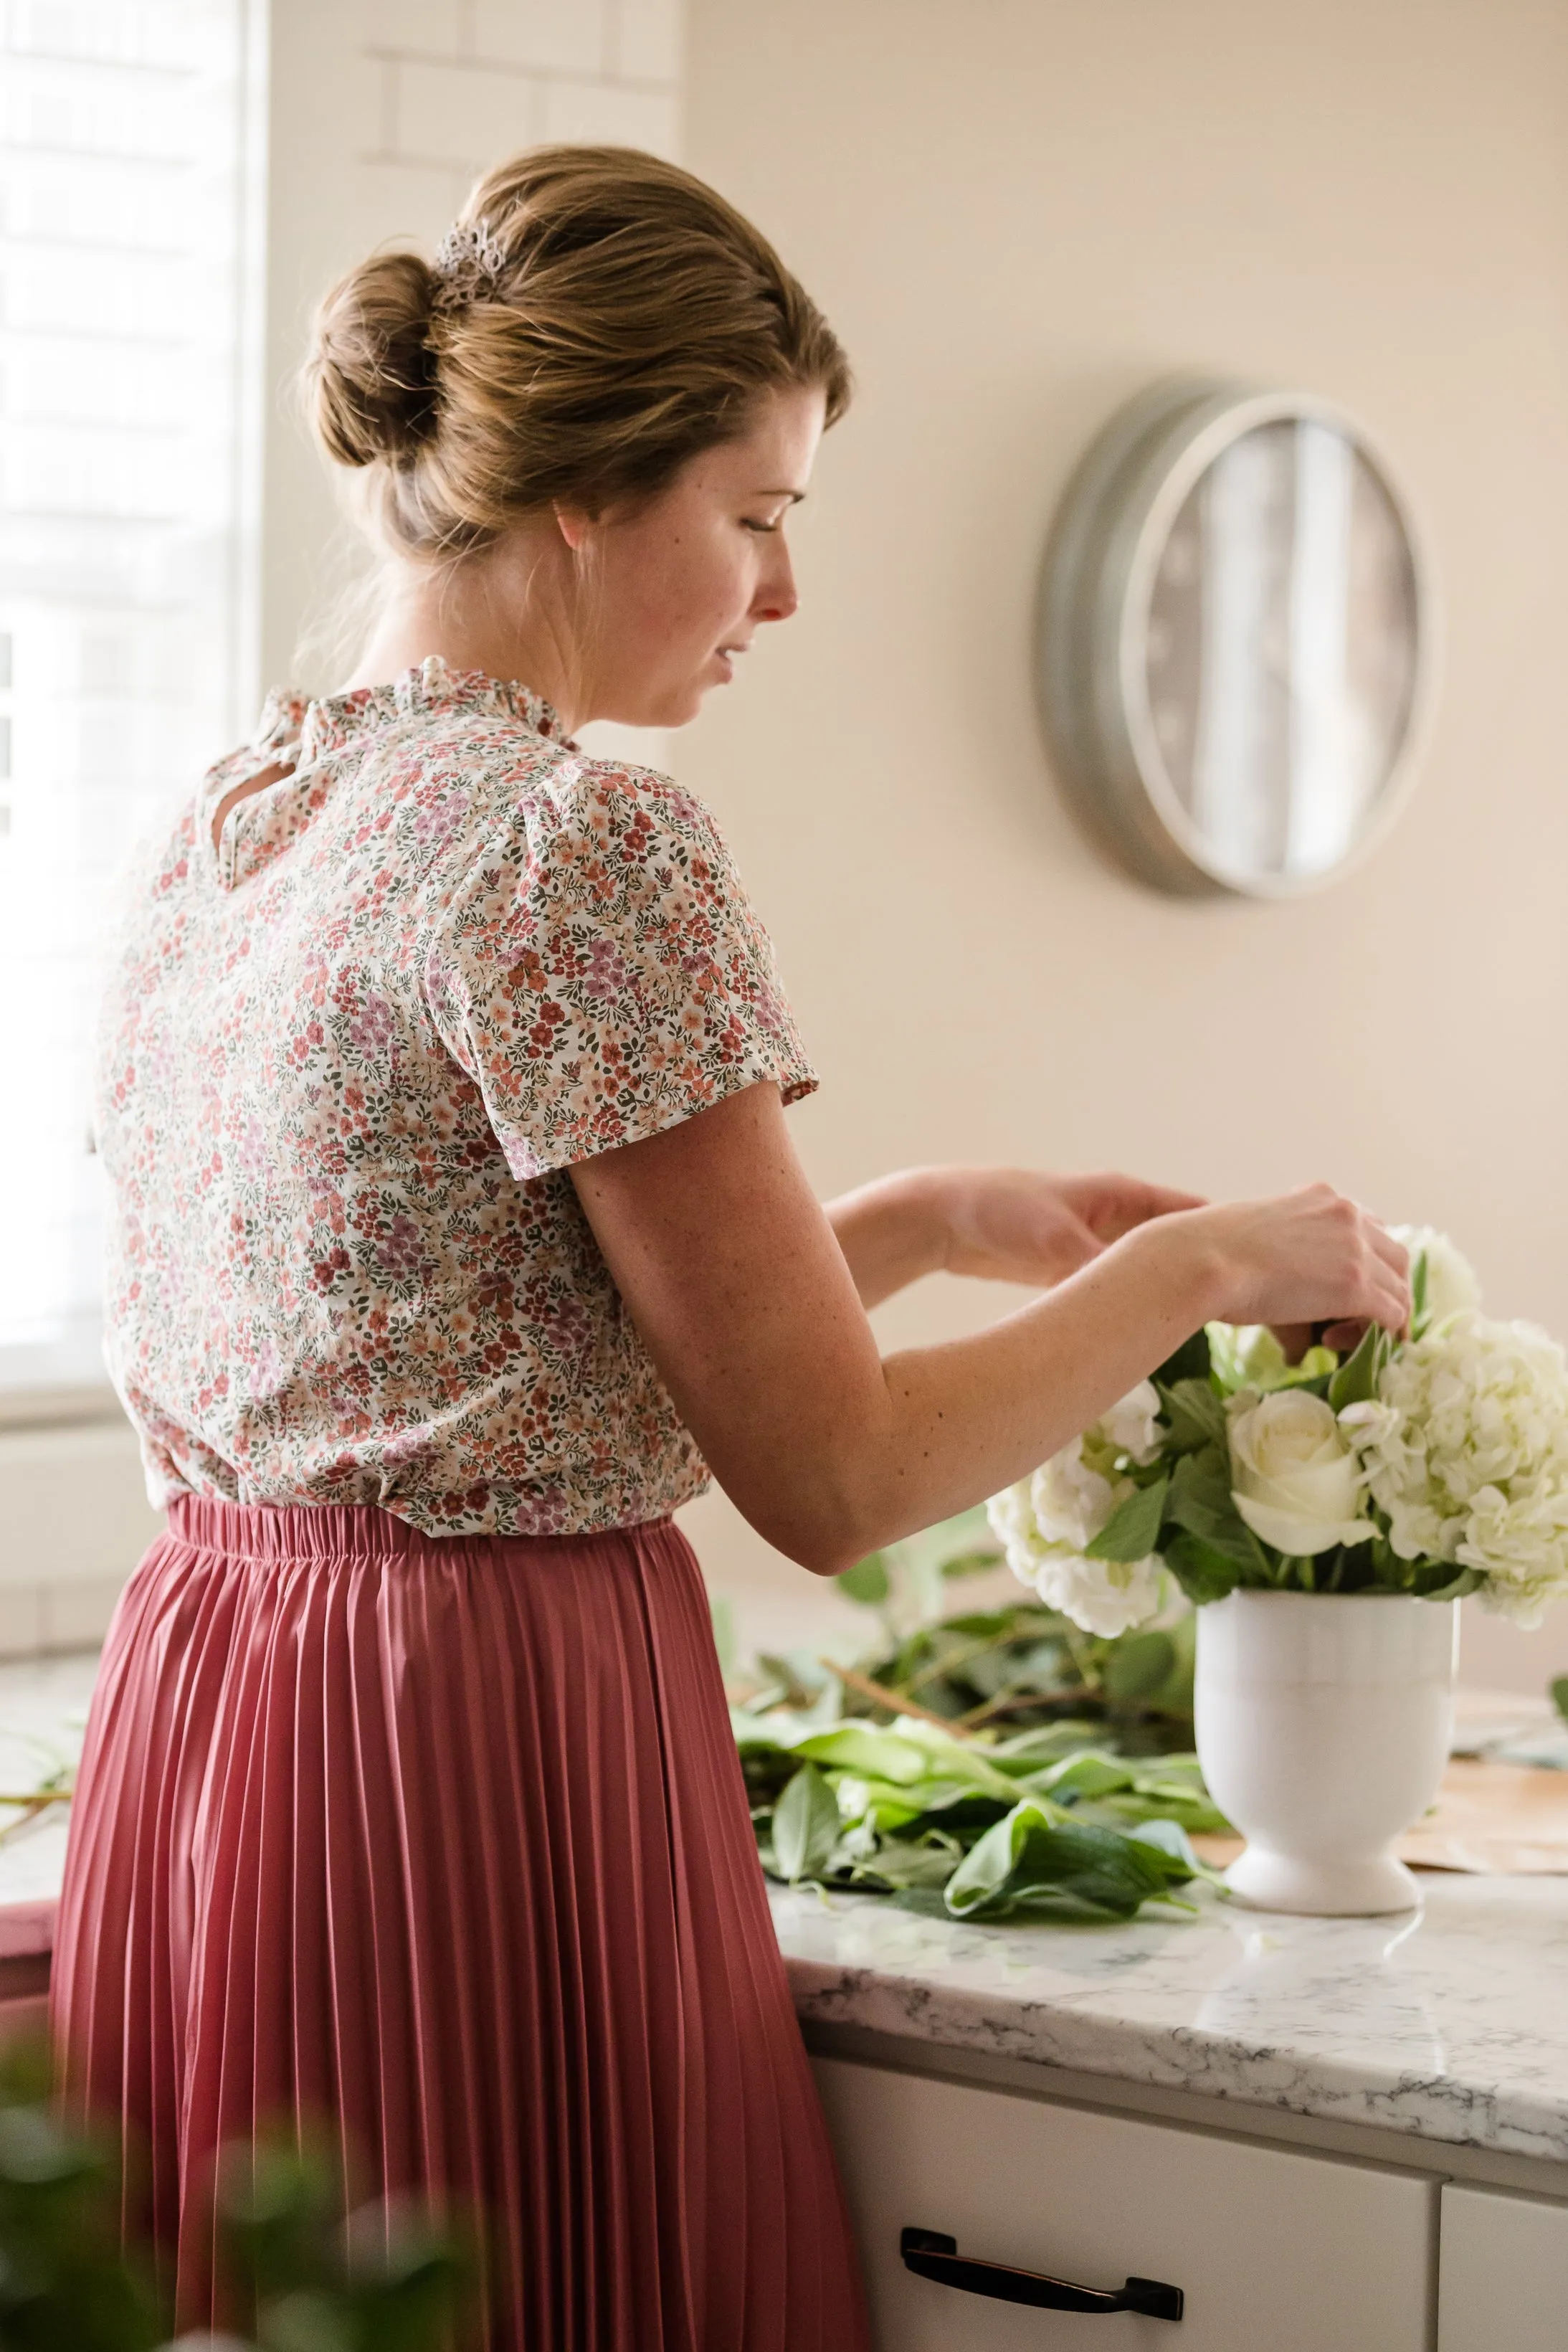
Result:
[
  {"x": 1279, "y": 650},
  {"x": 1234, "y": 654}
]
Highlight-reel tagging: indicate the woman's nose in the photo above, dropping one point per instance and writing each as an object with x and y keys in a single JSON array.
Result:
[{"x": 776, "y": 597}]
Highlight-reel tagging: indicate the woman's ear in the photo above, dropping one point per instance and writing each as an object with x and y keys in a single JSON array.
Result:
[{"x": 574, "y": 524}]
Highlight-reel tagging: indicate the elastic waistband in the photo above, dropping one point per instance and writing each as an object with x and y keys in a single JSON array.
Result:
[{"x": 306, "y": 1532}]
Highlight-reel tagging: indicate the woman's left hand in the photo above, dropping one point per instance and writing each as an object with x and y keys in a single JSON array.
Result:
[
  {"x": 999, "y": 1225},
  {"x": 1019, "y": 1224}
]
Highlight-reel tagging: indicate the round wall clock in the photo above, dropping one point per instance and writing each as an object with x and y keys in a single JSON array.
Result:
[{"x": 1237, "y": 640}]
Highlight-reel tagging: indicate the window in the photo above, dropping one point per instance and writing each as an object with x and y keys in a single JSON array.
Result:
[{"x": 125, "y": 614}]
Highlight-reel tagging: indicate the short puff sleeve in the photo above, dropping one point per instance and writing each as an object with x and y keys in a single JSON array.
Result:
[{"x": 599, "y": 970}]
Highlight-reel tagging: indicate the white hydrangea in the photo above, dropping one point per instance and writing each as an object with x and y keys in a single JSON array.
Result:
[
  {"x": 1452, "y": 1285},
  {"x": 1046, "y": 1521},
  {"x": 1466, "y": 1450},
  {"x": 1105, "y": 1596}
]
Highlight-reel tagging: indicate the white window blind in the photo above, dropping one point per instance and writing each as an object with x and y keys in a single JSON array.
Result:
[{"x": 124, "y": 605}]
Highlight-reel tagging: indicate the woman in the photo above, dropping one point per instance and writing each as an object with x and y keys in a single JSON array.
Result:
[{"x": 456, "y": 1228}]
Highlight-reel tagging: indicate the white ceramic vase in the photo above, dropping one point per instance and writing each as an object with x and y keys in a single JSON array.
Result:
[{"x": 1324, "y": 1724}]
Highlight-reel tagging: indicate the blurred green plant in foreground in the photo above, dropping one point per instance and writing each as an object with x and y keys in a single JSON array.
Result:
[
  {"x": 311, "y": 2279},
  {"x": 63, "y": 2279}
]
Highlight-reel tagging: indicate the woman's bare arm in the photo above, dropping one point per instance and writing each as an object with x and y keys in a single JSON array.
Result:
[
  {"x": 1002, "y": 1224},
  {"x": 731, "y": 1271}
]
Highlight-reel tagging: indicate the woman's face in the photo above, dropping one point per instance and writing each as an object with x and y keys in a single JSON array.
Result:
[{"x": 680, "y": 585}]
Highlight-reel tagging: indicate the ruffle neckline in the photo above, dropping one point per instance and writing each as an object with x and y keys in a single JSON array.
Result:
[
  {"x": 430, "y": 690},
  {"x": 301, "y": 735}
]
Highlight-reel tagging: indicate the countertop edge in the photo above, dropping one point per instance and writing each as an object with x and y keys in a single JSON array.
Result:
[
  {"x": 1405, "y": 2152},
  {"x": 1223, "y": 2070}
]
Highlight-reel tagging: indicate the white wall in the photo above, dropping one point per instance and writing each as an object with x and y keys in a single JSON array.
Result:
[{"x": 1017, "y": 214}]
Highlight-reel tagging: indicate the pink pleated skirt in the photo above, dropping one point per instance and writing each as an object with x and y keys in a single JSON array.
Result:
[{"x": 445, "y": 1841}]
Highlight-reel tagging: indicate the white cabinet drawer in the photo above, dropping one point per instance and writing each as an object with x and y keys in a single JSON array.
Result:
[
  {"x": 1274, "y": 2251},
  {"x": 1503, "y": 2273}
]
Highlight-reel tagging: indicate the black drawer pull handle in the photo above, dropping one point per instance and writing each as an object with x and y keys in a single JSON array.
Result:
[{"x": 934, "y": 2256}]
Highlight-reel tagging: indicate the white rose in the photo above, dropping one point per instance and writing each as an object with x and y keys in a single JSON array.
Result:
[
  {"x": 1298, "y": 1483},
  {"x": 1451, "y": 1285}
]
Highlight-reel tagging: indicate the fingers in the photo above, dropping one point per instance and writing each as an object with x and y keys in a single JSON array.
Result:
[
  {"x": 1390, "y": 1266},
  {"x": 1393, "y": 1254},
  {"x": 1071, "y": 1245},
  {"x": 1295, "y": 1339},
  {"x": 1113, "y": 1204},
  {"x": 1388, "y": 1282}
]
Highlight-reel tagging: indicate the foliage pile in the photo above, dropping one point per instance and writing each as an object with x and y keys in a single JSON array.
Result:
[{"x": 989, "y": 1765}]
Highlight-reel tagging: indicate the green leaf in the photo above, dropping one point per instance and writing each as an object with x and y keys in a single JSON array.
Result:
[
  {"x": 969, "y": 1563},
  {"x": 1560, "y": 1696},
  {"x": 1200, "y": 1503},
  {"x": 1137, "y": 1668},
  {"x": 1189, "y": 1362},
  {"x": 1356, "y": 1382},
  {"x": 805, "y": 1826},
  {"x": 1091, "y": 1773},
  {"x": 1170, "y": 1838},
  {"x": 1133, "y": 1530},
  {"x": 1203, "y": 1573},
  {"x": 916, "y": 1864},
  {"x": 868, "y": 1748},
  {"x": 1196, "y": 1416},
  {"x": 984, "y": 1625},
  {"x": 1036, "y": 1860},
  {"x": 1418, "y": 1316},
  {"x": 867, "y": 1582},
  {"x": 1440, "y": 1580}
]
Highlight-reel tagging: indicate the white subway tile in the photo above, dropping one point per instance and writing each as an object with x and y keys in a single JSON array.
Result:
[
  {"x": 430, "y": 28},
  {"x": 76, "y": 1610},
  {"x": 551, "y": 36},
  {"x": 648, "y": 39},
  {"x": 464, "y": 114},
  {"x": 596, "y": 113},
  {"x": 412, "y": 204},
  {"x": 19, "y": 1620}
]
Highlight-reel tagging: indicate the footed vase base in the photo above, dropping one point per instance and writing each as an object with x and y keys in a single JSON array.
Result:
[{"x": 1322, "y": 1889}]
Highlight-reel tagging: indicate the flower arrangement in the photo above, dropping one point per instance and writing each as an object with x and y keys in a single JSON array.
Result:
[{"x": 1435, "y": 1464}]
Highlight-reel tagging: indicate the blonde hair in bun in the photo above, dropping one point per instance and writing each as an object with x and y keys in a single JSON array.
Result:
[{"x": 594, "y": 318}]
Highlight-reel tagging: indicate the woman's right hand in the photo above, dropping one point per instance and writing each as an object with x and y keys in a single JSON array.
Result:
[
  {"x": 1312, "y": 1257},
  {"x": 746, "y": 1303}
]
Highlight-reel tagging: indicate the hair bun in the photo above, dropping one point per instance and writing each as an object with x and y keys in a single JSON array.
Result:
[{"x": 370, "y": 375}]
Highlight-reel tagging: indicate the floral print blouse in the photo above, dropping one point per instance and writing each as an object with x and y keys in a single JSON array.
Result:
[{"x": 348, "y": 1059}]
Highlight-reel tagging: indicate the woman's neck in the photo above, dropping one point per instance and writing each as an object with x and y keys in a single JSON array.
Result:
[{"x": 502, "y": 613}]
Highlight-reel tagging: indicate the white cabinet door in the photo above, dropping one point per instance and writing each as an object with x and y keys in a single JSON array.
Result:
[
  {"x": 1274, "y": 2251},
  {"x": 1503, "y": 2275}
]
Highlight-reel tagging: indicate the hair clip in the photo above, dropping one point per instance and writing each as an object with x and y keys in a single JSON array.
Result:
[{"x": 469, "y": 262}]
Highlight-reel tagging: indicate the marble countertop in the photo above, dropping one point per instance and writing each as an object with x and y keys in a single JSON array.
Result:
[{"x": 1451, "y": 2025}]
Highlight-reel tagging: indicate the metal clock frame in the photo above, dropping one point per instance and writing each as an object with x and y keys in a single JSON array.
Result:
[{"x": 1093, "y": 666}]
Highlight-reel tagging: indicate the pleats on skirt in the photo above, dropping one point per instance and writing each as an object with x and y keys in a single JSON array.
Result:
[{"x": 444, "y": 1842}]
